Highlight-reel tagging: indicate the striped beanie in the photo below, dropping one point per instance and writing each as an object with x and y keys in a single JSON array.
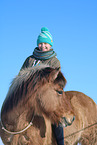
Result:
[{"x": 45, "y": 36}]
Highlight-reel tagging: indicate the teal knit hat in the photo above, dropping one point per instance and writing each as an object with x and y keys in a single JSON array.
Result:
[{"x": 45, "y": 37}]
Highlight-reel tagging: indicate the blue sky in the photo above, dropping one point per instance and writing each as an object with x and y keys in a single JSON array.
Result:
[{"x": 73, "y": 25}]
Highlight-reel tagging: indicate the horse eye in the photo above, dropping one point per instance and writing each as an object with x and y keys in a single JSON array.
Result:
[{"x": 59, "y": 92}]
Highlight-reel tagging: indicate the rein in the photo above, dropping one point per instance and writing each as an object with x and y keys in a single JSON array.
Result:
[{"x": 17, "y": 132}]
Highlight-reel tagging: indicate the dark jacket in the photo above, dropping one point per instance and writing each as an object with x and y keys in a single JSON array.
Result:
[{"x": 39, "y": 57}]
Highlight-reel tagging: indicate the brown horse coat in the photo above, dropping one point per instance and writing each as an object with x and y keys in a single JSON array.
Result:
[{"x": 82, "y": 130}]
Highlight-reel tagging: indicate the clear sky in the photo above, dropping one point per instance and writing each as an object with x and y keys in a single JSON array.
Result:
[{"x": 73, "y": 25}]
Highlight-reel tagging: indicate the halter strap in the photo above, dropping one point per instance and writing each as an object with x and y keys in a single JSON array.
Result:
[{"x": 17, "y": 132}]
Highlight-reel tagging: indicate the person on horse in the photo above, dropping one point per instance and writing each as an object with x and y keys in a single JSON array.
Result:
[{"x": 46, "y": 55}]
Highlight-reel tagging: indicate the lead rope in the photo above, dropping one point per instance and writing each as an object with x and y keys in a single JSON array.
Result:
[{"x": 17, "y": 132}]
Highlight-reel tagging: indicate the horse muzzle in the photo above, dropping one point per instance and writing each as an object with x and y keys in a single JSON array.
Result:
[{"x": 66, "y": 121}]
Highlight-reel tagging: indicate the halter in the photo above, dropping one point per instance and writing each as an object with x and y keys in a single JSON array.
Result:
[{"x": 18, "y": 132}]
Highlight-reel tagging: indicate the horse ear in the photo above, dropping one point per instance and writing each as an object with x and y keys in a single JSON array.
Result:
[{"x": 54, "y": 74}]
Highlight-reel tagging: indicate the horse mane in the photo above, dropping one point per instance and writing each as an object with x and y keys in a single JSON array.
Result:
[{"x": 35, "y": 76}]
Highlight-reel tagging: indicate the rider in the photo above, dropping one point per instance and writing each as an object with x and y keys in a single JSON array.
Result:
[{"x": 44, "y": 53}]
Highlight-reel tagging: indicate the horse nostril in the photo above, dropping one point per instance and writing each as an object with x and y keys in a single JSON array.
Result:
[{"x": 73, "y": 118}]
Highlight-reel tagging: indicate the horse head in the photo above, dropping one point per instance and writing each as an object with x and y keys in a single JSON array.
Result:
[{"x": 47, "y": 95}]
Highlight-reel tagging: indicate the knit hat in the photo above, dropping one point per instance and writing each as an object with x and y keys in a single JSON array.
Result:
[{"x": 45, "y": 37}]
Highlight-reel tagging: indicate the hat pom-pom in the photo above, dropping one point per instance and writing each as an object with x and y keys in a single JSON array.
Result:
[{"x": 44, "y": 29}]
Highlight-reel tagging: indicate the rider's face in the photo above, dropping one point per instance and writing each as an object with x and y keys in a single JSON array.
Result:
[{"x": 44, "y": 46}]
